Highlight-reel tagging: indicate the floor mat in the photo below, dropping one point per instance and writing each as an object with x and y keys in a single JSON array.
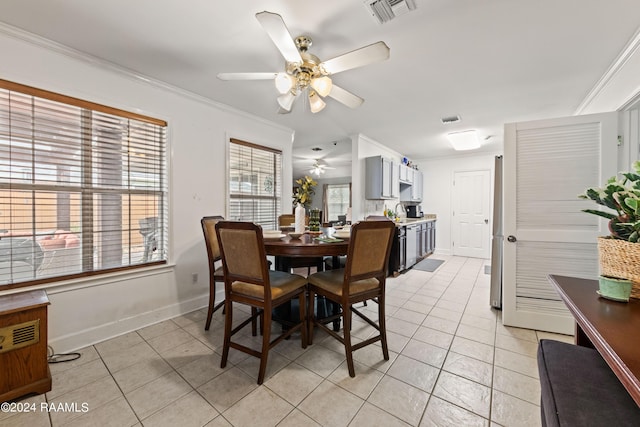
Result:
[{"x": 428, "y": 264}]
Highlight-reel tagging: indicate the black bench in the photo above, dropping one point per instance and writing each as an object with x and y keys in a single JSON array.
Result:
[{"x": 579, "y": 389}]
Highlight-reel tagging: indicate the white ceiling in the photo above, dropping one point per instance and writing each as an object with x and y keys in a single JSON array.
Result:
[{"x": 491, "y": 61}]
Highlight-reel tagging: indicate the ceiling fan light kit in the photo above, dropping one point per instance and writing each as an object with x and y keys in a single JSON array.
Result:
[
  {"x": 283, "y": 82},
  {"x": 286, "y": 101},
  {"x": 318, "y": 168},
  {"x": 316, "y": 104},
  {"x": 304, "y": 72},
  {"x": 322, "y": 85}
]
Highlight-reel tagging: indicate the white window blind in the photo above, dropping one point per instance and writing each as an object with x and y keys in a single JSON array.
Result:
[
  {"x": 255, "y": 174},
  {"x": 83, "y": 187}
]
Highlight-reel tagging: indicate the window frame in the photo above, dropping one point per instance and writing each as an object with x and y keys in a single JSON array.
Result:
[
  {"x": 161, "y": 193},
  {"x": 276, "y": 199},
  {"x": 346, "y": 185}
]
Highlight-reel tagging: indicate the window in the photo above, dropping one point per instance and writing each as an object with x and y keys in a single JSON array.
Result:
[
  {"x": 83, "y": 187},
  {"x": 254, "y": 184},
  {"x": 338, "y": 200}
]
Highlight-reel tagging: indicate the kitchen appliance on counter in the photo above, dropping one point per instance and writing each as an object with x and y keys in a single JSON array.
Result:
[{"x": 414, "y": 211}]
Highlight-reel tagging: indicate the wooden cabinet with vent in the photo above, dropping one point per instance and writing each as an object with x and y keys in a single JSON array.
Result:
[{"x": 23, "y": 345}]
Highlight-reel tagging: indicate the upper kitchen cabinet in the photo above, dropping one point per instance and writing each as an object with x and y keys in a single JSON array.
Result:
[
  {"x": 381, "y": 178},
  {"x": 405, "y": 174},
  {"x": 416, "y": 187},
  {"x": 411, "y": 191}
]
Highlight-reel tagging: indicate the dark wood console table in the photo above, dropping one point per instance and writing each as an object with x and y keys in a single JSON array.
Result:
[{"x": 612, "y": 328}]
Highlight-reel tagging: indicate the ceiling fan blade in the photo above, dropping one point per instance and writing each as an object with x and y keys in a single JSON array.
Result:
[
  {"x": 247, "y": 76},
  {"x": 275, "y": 27},
  {"x": 345, "y": 97},
  {"x": 357, "y": 58}
]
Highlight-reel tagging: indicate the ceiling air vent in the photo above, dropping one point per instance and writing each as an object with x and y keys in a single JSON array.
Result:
[
  {"x": 386, "y": 10},
  {"x": 450, "y": 119}
]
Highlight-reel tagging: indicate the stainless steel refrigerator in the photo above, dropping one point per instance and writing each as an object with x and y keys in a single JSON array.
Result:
[{"x": 497, "y": 238}]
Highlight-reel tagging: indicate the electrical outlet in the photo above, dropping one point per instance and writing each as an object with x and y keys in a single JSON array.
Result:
[{"x": 194, "y": 277}]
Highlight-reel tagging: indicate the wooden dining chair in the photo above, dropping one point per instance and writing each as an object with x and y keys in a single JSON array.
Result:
[
  {"x": 377, "y": 218},
  {"x": 248, "y": 280},
  {"x": 216, "y": 274},
  {"x": 285, "y": 220},
  {"x": 363, "y": 278}
]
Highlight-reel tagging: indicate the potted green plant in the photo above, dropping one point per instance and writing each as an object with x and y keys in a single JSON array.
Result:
[
  {"x": 619, "y": 253},
  {"x": 304, "y": 193}
]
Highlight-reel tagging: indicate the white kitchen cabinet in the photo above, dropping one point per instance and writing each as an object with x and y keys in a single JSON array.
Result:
[
  {"x": 381, "y": 178},
  {"x": 412, "y": 192},
  {"x": 416, "y": 187},
  {"x": 405, "y": 174}
]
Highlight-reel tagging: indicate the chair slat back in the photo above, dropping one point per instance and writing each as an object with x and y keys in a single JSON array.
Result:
[
  {"x": 210, "y": 238},
  {"x": 286, "y": 220},
  {"x": 243, "y": 254},
  {"x": 369, "y": 249}
]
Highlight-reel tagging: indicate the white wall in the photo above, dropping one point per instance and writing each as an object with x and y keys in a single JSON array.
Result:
[
  {"x": 438, "y": 190},
  {"x": 363, "y": 147},
  {"x": 84, "y": 312}
]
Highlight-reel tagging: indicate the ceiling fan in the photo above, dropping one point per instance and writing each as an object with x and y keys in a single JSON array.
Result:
[
  {"x": 318, "y": 168},
  {"x": 304, "y": 73}
]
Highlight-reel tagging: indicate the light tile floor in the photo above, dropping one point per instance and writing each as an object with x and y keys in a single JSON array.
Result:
[{"x": 452, "y": 363}]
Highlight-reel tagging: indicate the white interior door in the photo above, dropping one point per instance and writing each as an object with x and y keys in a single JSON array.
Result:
[
  {"x": 546, "y": 165},
  {"x": 471, "y": 213}
]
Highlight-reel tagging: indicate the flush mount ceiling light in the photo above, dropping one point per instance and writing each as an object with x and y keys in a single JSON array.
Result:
[
  {"x": 465, "y": 140},
  {"x": 304, "y": 73}
]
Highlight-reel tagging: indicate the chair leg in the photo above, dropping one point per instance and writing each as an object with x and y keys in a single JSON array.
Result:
[
  {"x": 346, "y": 318},
  {"x": 266, "y": 335},
  {"x": 253, "y": 322},
  {"x": 382, "y": 322},
  {"x": 311, "y": 316},
  {"x": 303, "y": 318},
  {"x": 212, "y": 306},
  {"x": 228, "y": 319},
  {"x": 212, "y": 303}
]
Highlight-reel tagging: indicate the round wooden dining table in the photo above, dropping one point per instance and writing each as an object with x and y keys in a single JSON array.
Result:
[{"x": 305, "y": 246}]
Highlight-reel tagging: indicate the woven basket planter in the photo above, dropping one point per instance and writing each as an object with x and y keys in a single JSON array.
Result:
[{"x": 621, "y": 259}]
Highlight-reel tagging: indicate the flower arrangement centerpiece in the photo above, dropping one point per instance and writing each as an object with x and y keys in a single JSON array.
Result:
[
  {"x": 303, "y": 194},
  {"x": 619, "y": 253}
]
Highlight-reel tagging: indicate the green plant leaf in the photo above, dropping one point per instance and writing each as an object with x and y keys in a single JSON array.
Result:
[
  {"x": 634, "y": 204},
  {"x": 600, "y": 213}
]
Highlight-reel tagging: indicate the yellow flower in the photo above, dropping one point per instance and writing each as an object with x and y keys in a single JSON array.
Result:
[{"x": 305, "y": 190}]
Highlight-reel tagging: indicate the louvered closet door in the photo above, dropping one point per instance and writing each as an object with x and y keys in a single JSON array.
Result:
[{"x": 547, "y": 164}]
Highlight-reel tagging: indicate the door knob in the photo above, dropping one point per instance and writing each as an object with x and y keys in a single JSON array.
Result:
[
  {"x": 512, "y": 239},
  {"x": 486, "y": 221}
]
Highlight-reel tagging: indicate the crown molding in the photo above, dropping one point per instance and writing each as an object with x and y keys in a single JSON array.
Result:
[
  {"x": 614, "y": 70},
  {"x": 20, "y": 34}
]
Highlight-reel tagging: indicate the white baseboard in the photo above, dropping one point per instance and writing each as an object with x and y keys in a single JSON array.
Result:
[
  {"x": 86, "y": 337},
  {"x": 443, "y": 252}
]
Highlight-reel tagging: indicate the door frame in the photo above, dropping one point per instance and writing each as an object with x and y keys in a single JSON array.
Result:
[
  {"x": 527, "y": 318},
  {"x": 454, "y": 203}
]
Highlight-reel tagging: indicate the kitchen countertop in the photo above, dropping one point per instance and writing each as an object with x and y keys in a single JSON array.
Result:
[{"x": 408, "y": 221}]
